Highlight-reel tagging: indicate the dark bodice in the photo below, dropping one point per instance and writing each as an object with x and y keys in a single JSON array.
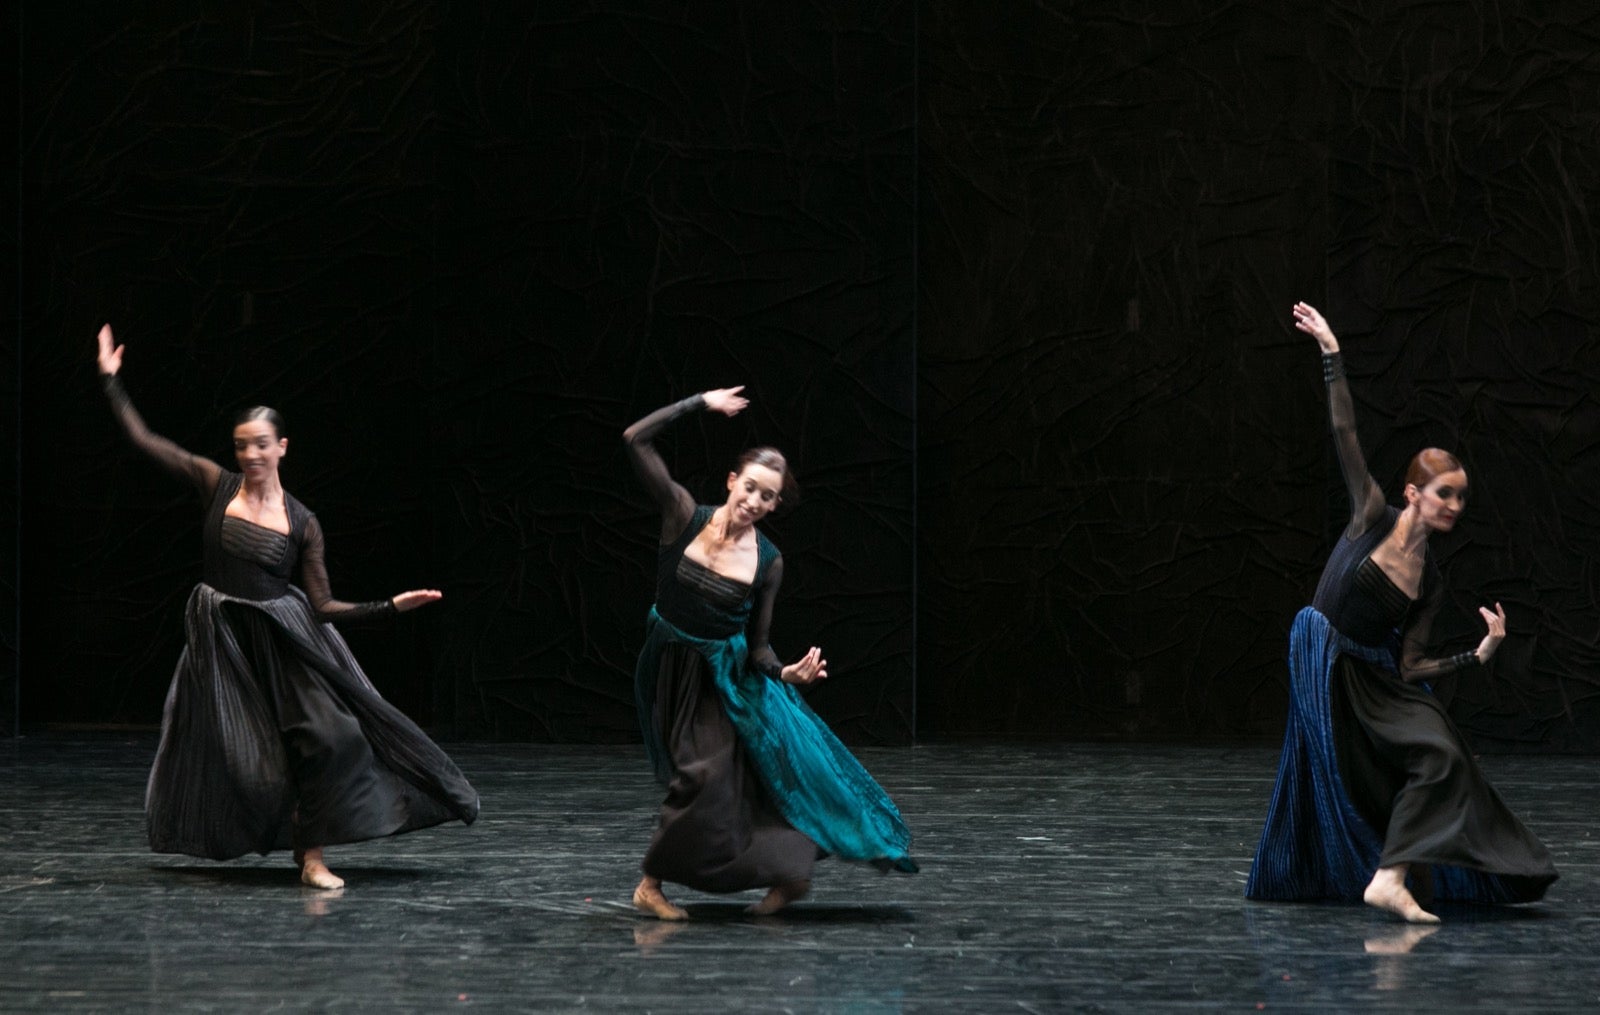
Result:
[
  {"x": 1358, "y": 598},
  {"x": 244, "y": 559},
  {"x": 697, "y": 600}
]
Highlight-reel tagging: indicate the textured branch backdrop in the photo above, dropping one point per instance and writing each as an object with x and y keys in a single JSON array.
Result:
[
  {"x": 461, "y": 251},
  {"x": 634, "y": 208},
  {"x": 10, "y": 422},
  {"x": 1010, "y": 283},
  {"x": 1465, "y": 157},
  {"x": 1126, "y": 486}
]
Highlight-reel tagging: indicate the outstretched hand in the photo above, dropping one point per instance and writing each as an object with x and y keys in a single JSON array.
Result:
[
  {"x": 1310, "y": 321},
  {"x": 1496, "y": 620},
  {"x": 727, "y": 401},
  {"x": 810, "y": 669},
  {"x": 418, "y": 597},
  {"x": 110, "y": 352}
]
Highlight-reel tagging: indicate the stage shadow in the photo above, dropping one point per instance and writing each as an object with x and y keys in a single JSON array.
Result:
[
  {"x": 286, "y": 876},
  {"x": 1461, "y": 912},
  {"x": 802, "y": 913},
  {"x": 650, "y": 935}
]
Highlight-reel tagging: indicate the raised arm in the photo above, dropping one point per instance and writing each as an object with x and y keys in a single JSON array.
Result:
[
  {"x": 1366, "y": 497},
  {"x": 810, "y": 668},
  {"x": 202, "y": 473},
  {"x": 314, "y": 579},
  {"x": 676, "y": 503},
  {"x": 1416, "y": 664}
]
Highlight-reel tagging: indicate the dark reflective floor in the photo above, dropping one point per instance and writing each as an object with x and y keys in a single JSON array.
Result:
[{"x": 1068, "y": 878}]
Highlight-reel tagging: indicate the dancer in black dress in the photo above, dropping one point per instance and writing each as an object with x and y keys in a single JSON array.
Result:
[
  {"x": 272, "y": 737},
  {"x": 757, "y": 786},
  {"x": 1377, "y": 796}
]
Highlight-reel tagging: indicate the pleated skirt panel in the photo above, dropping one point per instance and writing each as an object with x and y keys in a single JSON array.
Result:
[
  {"x": 1373, "y": 773},
  {"x": 272, "y": 738}
]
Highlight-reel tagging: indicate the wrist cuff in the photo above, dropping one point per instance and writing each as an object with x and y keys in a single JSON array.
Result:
[{"x": 1332, "y": 367}]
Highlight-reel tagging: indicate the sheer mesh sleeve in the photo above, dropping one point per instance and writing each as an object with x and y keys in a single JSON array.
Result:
[
  {"x": 1366, "y": 497},
  {"x": 314, "y": 579},
  {"x": 676, "y": 503},
  {"x": 1415, "y": 663},
  {"x": 201, "y": 473},
  {"x": 760, "y": 627}
]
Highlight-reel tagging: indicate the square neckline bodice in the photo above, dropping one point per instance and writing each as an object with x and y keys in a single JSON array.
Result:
[
  {"x": 251, "y": 541},
  {"x": 711, "y": 571},
  {"x": 1359, "y": 597},
  {"x": 243, "y": 558},
  {"x": 1389, "y": 578},
  {"x": 695, "y": 578},
  {"x": 698, "y": 599}
]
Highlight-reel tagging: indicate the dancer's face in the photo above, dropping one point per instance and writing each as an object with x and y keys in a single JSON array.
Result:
[
  {"x": 258, "y": 448},
  {"x": 1441, "y": 502},
  {"x": 753, "y": 493}
]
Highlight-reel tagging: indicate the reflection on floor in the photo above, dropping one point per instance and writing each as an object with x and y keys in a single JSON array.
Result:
[{"x": 1055, "y": 878}]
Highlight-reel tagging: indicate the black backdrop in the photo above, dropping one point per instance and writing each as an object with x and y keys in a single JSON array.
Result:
[
  {"x": 1009, "y": 283},
  {"x": 1127, "y": 487},
  {"x": 10, "y": 417},
  {"x": 461, "y": 251}
]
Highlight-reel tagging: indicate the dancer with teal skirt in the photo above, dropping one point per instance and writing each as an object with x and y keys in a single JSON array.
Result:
[{"x": 758, "y": 788}]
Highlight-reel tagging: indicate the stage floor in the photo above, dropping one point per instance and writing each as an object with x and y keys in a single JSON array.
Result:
[{"x": 1055, "y": 878}]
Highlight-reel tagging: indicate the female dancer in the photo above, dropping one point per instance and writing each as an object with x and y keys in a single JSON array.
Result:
[
  {"x": 272, "y": 737},
  {"x": 1375, "y": 784},
  {"x": 757, "y": 787}
]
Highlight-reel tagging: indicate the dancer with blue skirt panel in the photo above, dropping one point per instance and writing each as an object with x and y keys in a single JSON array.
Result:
[
  {"x": 1378, "y": 797},
  {"x": 758, "y": 787}
]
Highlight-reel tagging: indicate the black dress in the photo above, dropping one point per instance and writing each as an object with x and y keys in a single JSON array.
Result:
[
  {"x": 1373, "y": 771},
  {"x": 757, "y": 786},
  {"x": 719, "y": 830},
  {"x": 272, "y": 737}
]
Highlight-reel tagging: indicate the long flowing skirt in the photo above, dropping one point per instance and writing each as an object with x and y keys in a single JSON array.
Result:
[
  {"x": 273, "y": 738},
  {"x": 757, "y": 783},
  {"x": 1373, "y": 773},
  {"x": 719, "y": 831}
]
